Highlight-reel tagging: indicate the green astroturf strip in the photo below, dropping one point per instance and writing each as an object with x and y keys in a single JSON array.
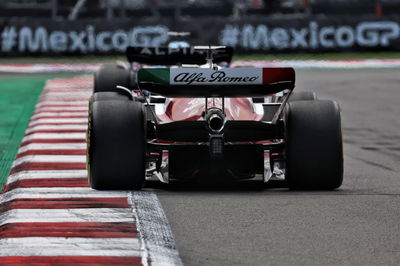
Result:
[{"x": 18, "y": 97}]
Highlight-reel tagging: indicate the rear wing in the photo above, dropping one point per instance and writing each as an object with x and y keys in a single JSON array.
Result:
[
  {"x": 204, "y": 82},
  {"x": 175, "y": 56}
]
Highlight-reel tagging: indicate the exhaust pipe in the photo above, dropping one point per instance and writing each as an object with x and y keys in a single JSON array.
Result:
[{"x": 215, "y": 120}]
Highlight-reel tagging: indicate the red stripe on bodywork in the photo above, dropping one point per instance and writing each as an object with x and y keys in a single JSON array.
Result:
[
  {"x": 51, "y": 152},
  {"x": 279, "y": 74},
  {"x": 68, "y": 260},
  {"x": 64, "y": 203},
  {"x": 52, "y": 141},
  {"x": 47, "y": 166}
]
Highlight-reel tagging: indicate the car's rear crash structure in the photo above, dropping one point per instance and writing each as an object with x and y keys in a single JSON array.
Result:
[{"x": 213, "y": 123}]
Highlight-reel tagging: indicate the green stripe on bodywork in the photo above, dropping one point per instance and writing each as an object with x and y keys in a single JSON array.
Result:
[
  {"x": 17, "y": 101},
  {"x": 154, "y": 75}
]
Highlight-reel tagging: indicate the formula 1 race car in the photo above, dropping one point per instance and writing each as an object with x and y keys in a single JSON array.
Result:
[{"x": 184, "y": 122}]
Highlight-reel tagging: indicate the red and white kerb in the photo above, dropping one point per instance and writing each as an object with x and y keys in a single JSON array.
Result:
[{"x": 49, "y": 214}]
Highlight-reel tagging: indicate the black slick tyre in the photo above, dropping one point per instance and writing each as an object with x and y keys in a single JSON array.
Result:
[
  {"x": 109, "y": 96},
  {"x": 116, "y": 145},
  {"x": 111, "y": 75},
  {"x": 314, "y": 150},
  {"x": 303, "y": 96}
]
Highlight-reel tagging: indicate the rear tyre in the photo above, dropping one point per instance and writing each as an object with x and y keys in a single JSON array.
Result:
[
  {"x": 303, "y": 96},
  {"x": 314, "y": 151},
  {"x": 108, "y": 96},
  {"x": 111, "y": 75},
  {"x": 116, "y": 145}
]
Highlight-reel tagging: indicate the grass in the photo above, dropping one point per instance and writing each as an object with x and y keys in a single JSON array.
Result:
[
  {"x": 292, "y": 56},
  {"x": 17, "y": 100},
  {"x": 18, "y": 96}
]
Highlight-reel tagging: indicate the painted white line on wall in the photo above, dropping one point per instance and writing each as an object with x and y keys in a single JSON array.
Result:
[{"x": 69, "y": 246}]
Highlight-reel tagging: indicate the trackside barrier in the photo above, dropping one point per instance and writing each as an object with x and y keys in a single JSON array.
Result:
[{"x": 19, "y": 37}]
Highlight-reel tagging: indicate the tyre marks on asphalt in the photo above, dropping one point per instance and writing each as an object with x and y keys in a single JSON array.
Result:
[{"x": 49, "y": 214}]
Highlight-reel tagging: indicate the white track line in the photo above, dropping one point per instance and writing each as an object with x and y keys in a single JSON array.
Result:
[
  {"x": 69, "y": 246},
  {"x": 50, "y": 159},
  {"x": 153, "y": 226},
  {"x": 340, "y": 64},
  {"x": 49, "y": 68},
  {"x": 322, "y": 64}
]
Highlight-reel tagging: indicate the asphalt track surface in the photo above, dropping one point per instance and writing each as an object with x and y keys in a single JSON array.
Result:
[{"x": 359, "y": 224}]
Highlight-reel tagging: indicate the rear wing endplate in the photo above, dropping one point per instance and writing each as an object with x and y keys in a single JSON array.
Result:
[{"x": 204, "y": 82}]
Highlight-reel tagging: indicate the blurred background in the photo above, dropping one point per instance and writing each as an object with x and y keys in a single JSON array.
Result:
[
  {"x": 107, "y": 27},
  {"x": 123, "y": 9}
]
